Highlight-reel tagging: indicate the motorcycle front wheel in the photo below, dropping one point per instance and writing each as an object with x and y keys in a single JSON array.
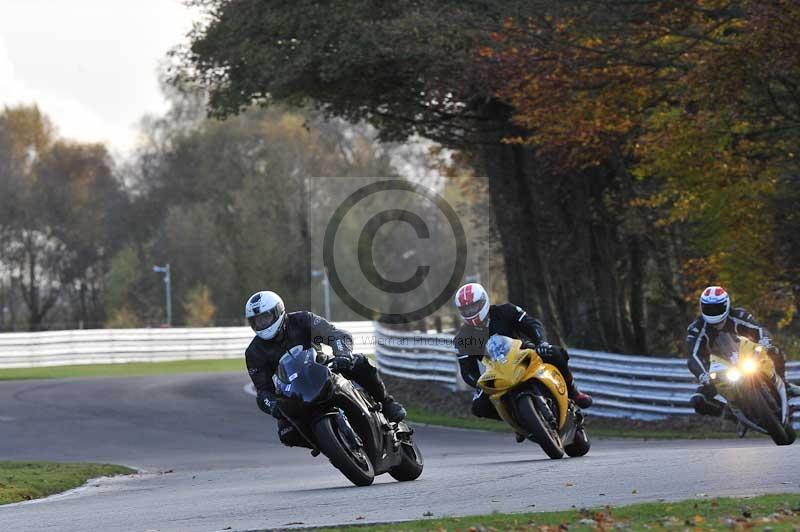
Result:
[
  {"x": 766, "y": 410},
  {"x": 538, "y": 428},
  {"x": 353, "y": 464}
]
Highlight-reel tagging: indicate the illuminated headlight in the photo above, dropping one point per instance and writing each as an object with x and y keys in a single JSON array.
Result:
[
  {"x": 713, "y": 375},
  {"x": 734, "y": 374},
  {"x": 749, "y": 366}
]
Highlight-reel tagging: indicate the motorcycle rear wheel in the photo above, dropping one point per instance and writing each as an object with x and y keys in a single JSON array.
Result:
[
  {"x": 357, "y": 468},
  {"x": 410, "y": 468},
  {"x": 580, "y": 445},
  {"x": 537, "y": 427}
]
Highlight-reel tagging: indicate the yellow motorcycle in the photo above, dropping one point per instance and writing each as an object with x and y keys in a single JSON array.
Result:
[
  {"x": 747, "y": 382},
  {"x": 531, "y": 396}
]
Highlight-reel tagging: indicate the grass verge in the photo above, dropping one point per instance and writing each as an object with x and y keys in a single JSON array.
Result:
[
  {"x": 767, "y": 512},
  {"x": 23, "y": 481},
  {"x": 125, "y": 370}
]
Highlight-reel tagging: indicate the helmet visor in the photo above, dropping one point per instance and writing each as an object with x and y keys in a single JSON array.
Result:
[
  {"x": 265, "y": 320},
  {"x": 471, "y": 309},
  {"x": 713, "y": 309}
]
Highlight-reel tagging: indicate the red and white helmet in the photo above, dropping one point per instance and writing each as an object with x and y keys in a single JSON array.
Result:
[
  {"x": 715, "y": 304},
  {"x": 472, "y": 303}
]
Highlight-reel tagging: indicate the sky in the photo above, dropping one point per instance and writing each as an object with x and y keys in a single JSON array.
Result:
[{"x": 91, "y": 65}]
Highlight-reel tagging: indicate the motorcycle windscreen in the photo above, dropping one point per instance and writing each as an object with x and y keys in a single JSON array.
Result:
[
  {"x": 300, "y": 376},
  {"x": 726, "y": 346}
]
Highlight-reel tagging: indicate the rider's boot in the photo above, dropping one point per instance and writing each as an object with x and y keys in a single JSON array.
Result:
[
  {"x": 393, "y": 410},
  {"x": 520, "y": 437},
  {"x": 704, "y": 402},
  {"x": 583, "y": 400}
]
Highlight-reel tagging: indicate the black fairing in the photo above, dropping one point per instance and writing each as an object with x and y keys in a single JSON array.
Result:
[{"x": 301, "y": 377}]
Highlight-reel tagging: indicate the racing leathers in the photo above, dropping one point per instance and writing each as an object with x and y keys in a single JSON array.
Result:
[
  {"x": 309, "y": 330},
  {"x": 508, "y": 320},
  {"x": 700, "y": 339}
]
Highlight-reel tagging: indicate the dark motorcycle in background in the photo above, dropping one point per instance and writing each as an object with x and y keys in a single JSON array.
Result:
[{"x": 342, "y": 421}]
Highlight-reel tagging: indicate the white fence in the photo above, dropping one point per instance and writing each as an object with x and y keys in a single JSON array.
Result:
[
  {"x": 635, "y": 387},
  {"x": 622, "y": 386},
  {"x": 104, "y": 346}
]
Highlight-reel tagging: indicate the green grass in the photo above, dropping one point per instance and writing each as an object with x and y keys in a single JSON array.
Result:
[
  {"x": 596, "y": 427},
  {"x": 125, "y": 370},
  {"x": 775, "y": 512},
  {"x": 22, "y": 481}
]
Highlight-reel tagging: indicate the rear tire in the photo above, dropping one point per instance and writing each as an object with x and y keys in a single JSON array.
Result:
[
  {"x": 410, "y": 468},
  {"x": 357, "y": 469},
  {"x": 791, "y": 435},
  {"x": 532, "y": 421},
  {"x": 580, "y": 445}
]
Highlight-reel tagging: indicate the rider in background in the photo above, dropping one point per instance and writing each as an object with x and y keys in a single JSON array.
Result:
[
  {"x": 717, "y": 316},
  {"x": 481, "y": 320},
  {"x": 278, "y": 331}
]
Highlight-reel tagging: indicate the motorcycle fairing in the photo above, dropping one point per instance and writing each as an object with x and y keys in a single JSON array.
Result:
[{"x": 519, "y": 365}]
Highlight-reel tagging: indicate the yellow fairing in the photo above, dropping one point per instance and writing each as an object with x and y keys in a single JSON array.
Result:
[
  {"x": 751, "y": 357},
  {"x": 520, "y": 366}
]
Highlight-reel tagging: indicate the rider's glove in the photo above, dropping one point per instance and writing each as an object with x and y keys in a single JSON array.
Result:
[
  {"x": 343, "y": 361},
  {"x": 544, "y": 349},
  {"x": 271, "y": 407},
  {"x": 704, "y": 379}
]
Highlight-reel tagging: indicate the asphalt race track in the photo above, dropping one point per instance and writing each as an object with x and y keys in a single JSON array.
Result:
[{"x": 211, "y": 461}]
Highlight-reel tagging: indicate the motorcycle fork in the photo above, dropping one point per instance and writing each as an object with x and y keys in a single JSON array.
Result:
[
  {"x": 362, "y": 419},
  {"x": 311, "y": 442}
]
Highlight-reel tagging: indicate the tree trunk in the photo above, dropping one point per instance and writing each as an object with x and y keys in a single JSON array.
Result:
[{"x": 508, "y": 167}]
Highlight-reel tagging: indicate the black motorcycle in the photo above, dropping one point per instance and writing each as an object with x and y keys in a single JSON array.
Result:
[{"x": 341, "y": 421}]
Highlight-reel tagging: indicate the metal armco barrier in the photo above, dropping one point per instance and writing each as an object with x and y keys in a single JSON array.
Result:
[
  {"x": 105, "y": 346},
  {"x": 636, "y": 387}
]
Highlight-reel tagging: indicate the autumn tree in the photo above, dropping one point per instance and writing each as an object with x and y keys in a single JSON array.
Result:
[{"x": 60, "y": 208}]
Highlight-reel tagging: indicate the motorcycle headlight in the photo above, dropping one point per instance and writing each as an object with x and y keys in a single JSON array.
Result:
[
  {"x": 734, "y": 374},
  {"x": 749, "y": 366}
]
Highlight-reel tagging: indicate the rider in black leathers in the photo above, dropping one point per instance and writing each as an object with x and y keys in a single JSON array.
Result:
[
  {"x": 718, "y": 317},
  {"x": 309, "y": 330},
  {"x": 507, "y": 320}
]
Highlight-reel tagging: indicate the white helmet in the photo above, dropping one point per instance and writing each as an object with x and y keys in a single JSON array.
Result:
[
  {"x": 265, "y": 313},
  {"x": 715, "y": 304},
  {"x": 472, "y": 303}
]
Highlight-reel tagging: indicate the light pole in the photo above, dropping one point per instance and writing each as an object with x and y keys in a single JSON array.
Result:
[
  {"x": 168, "y": 290},
  {"x": 326, "y": 288}
]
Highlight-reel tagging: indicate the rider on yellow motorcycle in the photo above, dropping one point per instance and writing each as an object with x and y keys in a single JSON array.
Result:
[{"x": 482, "y": 320}]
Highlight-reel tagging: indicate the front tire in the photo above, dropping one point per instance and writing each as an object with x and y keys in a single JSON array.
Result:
[
  {"x": 357, "y": 467},
  {"x": 766, "y": 410},
  {"x": 410, "y": 468},
  {"x": 538, "y": 428}
]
